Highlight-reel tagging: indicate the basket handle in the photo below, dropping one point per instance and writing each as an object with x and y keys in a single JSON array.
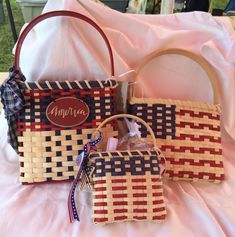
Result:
[
  {"x": 196, "y": 58},
  {"x": 131, "y": 117},
  {"x": 54, "y": 14}
]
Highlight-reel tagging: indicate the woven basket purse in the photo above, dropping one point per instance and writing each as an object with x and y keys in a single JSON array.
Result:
[
  {"x": 49, "y": 122},
  {"x": 187, "y": 132},
  {"x": 127, "y": 185}
]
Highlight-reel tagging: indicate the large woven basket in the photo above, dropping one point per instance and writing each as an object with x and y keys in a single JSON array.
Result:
[
  {"x": 127, "y": 184},
  {"x": 54, "y": 119},
  {"x": 187, "y": 132}
]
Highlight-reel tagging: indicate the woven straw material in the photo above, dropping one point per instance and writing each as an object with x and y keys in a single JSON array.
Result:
[
  {"x": 48, "y": 152},
  {"x": 127, "y": 187},
  {"x": 188, "y": 134}
]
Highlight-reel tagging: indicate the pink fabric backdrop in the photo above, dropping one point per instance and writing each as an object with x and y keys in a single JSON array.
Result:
[{"x": 65, "y": 48}]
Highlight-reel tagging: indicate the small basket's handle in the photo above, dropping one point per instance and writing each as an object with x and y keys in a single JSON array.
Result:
[
  {"x": 54, "y": 14},
  {"x": 196, "y": 58},
  {"x": 131, "y": 117}
]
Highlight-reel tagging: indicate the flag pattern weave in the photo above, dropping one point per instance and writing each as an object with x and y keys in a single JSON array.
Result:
[
  {"x": 127, "y": 187},
  {"x": 188, "y": 134}
]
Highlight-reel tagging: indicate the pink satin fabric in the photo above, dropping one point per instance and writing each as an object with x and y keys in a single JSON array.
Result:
[{"x": 60, "y": 49}]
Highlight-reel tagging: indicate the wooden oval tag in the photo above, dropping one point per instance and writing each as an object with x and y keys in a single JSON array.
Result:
[{"x": 67, "y": 112}]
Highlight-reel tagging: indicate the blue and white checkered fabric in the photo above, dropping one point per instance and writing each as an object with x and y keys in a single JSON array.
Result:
[{"x": 13, "y": 101}]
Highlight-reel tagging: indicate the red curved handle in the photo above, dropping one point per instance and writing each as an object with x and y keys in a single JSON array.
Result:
[{"x": 60, "y": 13}]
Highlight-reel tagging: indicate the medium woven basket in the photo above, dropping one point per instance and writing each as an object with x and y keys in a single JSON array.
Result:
[
  {"x": 47, "y": 151},
  {"x": 188, "y": 133},
  {"x": 57, "y": 118},
  {"x": 127, "y": 184}
]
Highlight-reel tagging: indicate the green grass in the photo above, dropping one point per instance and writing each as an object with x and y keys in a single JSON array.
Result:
[
  {"x": 6, "y": 38},
  {"x": 219, "y": 4}
]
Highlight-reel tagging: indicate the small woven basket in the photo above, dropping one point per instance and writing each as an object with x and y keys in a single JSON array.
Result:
[
  {"x": 127, "y": 184},
  {"x": 187, "y": 132}
]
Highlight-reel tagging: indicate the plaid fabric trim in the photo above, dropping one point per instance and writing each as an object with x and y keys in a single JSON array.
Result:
[{"x": 13, "y": 101}]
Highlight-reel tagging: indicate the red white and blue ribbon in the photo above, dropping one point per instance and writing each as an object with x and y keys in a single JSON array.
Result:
[{"x": 81, "y": 161}]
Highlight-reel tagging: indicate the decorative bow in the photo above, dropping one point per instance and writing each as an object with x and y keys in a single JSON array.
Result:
[
  {"x": 83, "y": 173},
  {"x": 13, "y": 101}
]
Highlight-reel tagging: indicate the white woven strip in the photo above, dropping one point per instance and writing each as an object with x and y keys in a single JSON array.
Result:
[
  {"x": 49, "y": 85},
  {"x": 69, "y": 85},
  {"x": 58, "y": 84},
  {"x": 38, "y": 85}
]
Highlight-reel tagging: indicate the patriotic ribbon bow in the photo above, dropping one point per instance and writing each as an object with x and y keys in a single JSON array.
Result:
[
  {"x": 13, "y": 101},
  {"x": 82, "y": 161}
]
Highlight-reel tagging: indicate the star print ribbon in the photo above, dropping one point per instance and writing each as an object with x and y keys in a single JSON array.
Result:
[{"x": 81, "y": 161}]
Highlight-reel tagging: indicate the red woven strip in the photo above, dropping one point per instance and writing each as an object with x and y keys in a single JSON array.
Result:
[
  {"x": 220, "y": 178},
  {"x": 199, "y": 138},
  {"x": 100, "y": 204},
  {"x": 99, "y": 181},
  {"x": 202, "y": 174},
  {"x": 156, "y": 186},
  {"x": 157, "y": 202},
  {"x": 155, "y": 179},
  {"x": 162, "y": 217},
  {"x": 191, "y": 175},
  {"x": 140, "y": 210},
  {"x": 142, "y": 187},
  {"x": 56, "y": 93},
  {"x": 184, "y": 149},
  {"x": 50, "y": 182},
  {"x": 138, "y": 180},
  {"x": 120, "y": 203},
  {"x": 32, "y": 126},
  {"x": 198, "y": 114},
  {"x": 119, "y": 188},
  {"x": 139, "y": 194},
  {"x": 101, "y": 212},
  {"x": 182, "y": 124},
  {"x": 183, "y": 161},
  {"x": 99, "y": 189},
  {"x": 140, "y": 202},
  {"x": 157, "y": 194},
  {"x": 119, "y": 195},
  {"x": 118, "y": 180},
  {"x": 100, "y": 196},
  {"x": 100, "y": 220},
  {"x": 120, "y": 218},
  {"x": 159, "y": 209},
  {"x": 212, "y": 176},
  {"x": 140, "y": 217},
  {"x": 120, "y": 210}
]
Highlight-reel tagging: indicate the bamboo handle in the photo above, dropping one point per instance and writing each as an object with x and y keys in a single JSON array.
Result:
[{"x": 196, "y": 58}]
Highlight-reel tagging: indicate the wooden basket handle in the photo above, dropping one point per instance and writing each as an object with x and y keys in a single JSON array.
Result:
[
  {"x": 196, "y": 58},
  {"x": 54, "y": 14},
  {"x": 131, "y": 117}
]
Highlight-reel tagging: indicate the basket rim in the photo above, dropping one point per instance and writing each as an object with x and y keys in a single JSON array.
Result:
[
  {"x": 83, "y": 84},
  {"x": 177, "y": 102}
]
